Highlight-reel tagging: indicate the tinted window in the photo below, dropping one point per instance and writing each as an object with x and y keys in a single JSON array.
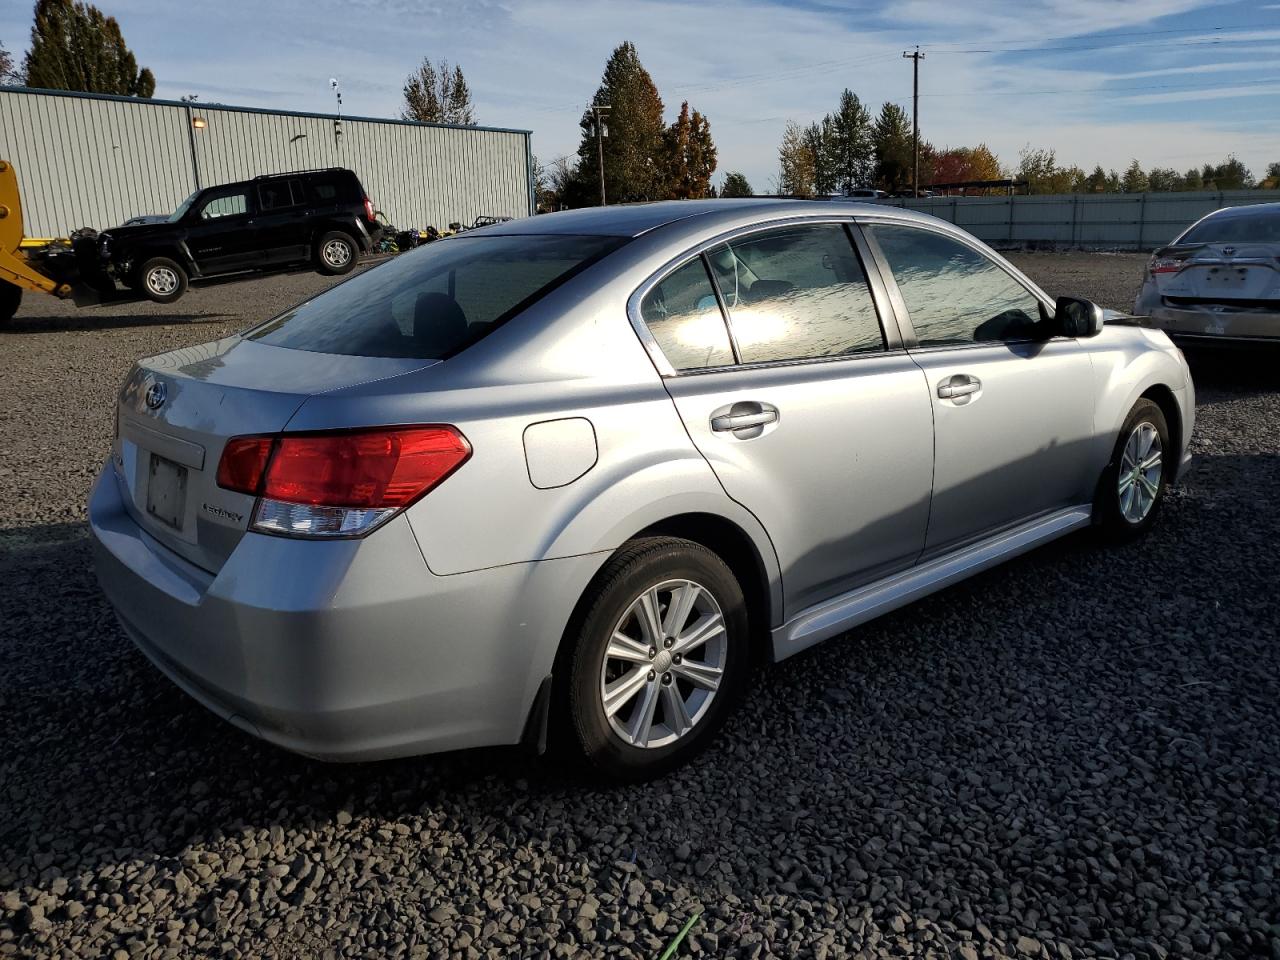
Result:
[
  {"x": 796, "y": 293},
  {"x": 435, "y": 301},
  {"x": 682, "y": 314},
  {"x": 1253, "y": 226},
  {"x": 275, "y": 194},
  {"x": 953, "y": 293},
  {"x": 224, "y": 205}
]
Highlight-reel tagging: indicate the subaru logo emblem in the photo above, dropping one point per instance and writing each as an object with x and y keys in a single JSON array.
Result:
[{"x": 156, "y": 394}]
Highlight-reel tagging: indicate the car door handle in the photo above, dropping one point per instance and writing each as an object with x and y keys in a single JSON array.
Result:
[
  {"x": 743, "y": 421},
  {"x": 960, "y": 385}
]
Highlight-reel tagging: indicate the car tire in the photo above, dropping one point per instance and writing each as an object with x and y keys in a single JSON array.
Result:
[
  {"x": 336, "y": 253},
  {"x": 659, "y": 717},
  {"x": 10, "y": 300},
  {"x": 162, "y": 280},
  {"x": 1129, "y": 495}
]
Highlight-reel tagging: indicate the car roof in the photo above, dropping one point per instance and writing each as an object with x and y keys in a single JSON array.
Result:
[
  {"x": 634, "y": 219},
  {"x": 1245, "y": 210}
]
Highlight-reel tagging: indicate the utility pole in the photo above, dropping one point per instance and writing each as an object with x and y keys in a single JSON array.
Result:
[
  {"x": 915, "y": 59},
  {"x": 601, "y": 113},
  {"x": 337, "y": 121}
]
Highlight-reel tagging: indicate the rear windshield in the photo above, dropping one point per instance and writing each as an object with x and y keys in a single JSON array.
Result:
[
  {"x": 1256, "y": 226},
  {"x": 435, "y": 301}
]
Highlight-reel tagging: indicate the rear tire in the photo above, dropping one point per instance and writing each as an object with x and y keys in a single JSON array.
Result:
[
  {"x": 664, "y": 642},
  {"x": 1134, "y": 482},
  {"x": 10, "y": 300},
  {"x": 336, "y": 253},
  {"x": 162, "y": 280}
]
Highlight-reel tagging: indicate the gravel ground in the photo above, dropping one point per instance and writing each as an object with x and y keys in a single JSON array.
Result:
[{"x": 1075, "y": 755}]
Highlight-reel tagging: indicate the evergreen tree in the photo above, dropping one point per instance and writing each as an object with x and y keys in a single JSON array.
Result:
[
  {"x": 1192, "y": 180},
  {"x": 1135, "y": 179},
  {"x": 817, "y": 142},
  {"x": 1114, "y": 184},
  {"x": 634, "y": 149},
  {"x": 75, "y": 46},
  {"x": 438, "y": 94},
  {"x": 736, "y": 185},
  {"x": 852, "y": 149},
  {"x": 891, "y": 136},
  {"x": 1097, "y": 181}
]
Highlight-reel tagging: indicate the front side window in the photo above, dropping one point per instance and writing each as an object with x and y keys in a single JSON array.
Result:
[
  {"x": 953, "y": 293},
  {"x": 224, "y": 205},
  {"x": 797, "y": 293},
  {"x": 682, "y": 314},
  {"x": 435, "y": 301}
]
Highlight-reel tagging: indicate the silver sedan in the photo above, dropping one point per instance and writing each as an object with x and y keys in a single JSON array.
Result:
[
  {"x": 596, "y": 464},
  {"x": 1219, "y": 281}
]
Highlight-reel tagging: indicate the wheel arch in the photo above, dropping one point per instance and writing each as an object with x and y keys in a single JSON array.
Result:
[{"x": 1162, "y": 396}]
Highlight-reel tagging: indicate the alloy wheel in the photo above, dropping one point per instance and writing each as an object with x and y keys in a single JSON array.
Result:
[
  {"x": 337, "y": 253},
  {"x": 1141, "y": 467},
  {"x": 162, "y": 281},
  {"x": 664, "y": 663}
]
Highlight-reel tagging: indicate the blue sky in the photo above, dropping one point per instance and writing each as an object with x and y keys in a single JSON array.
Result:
[{"x": 1170, "y": 82}]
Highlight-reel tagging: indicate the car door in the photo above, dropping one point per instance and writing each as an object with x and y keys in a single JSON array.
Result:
[
  {"x": 805, "y": 405},
  {"x": 281, "y": 223},
  {"x": 219, "y": 234},
  {"x": 1013, "y": 409}
]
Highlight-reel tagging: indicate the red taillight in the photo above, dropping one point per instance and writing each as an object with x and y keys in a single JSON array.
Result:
[
  {"x": 368, "y": 210},
  {"x": 1160, "y": 265},
  {"x": 243, "y": 463},
  {"x": 374, "y": 468},
  {"x": 340, "y": 483}
]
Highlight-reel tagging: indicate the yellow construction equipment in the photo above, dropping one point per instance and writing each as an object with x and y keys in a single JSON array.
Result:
[{"x": 18, "y": 272}]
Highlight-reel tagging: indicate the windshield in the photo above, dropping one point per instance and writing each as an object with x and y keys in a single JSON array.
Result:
[
  {"x": 183, "y": 208},
  {"x": 435, "y": 301},
  {"x": 1253, "y": 226}
]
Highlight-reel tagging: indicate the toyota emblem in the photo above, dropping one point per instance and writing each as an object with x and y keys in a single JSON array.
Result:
[
  {"x": 1229, "y": 250},
  {"x": 156, "y": 395}
]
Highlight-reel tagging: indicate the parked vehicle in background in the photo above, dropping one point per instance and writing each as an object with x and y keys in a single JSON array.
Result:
[
  {"x": 593, "y": 464},
  {"x": 1219, "y": 281},
  {"x": 318, "y": 216}
]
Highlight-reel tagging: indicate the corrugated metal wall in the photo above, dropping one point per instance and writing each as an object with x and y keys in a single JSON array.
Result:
[
  {"x": 1130, "y": 221},
  {"x": 96, "y": 161}
]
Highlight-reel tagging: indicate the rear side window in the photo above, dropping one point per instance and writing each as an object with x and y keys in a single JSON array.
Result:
[
  {"x": 953, "y": 293},
  {"x": 278, "y": 194},
  {"x": 1254, "y": 226},
  {"x": 797, "y": 293},
  {"x": 435, "y": 301},
  {"x": 682, "y": 314},
  {"x": 332, "y": 187}
]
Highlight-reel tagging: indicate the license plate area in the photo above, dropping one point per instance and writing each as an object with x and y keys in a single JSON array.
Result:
[{"x": 166, "y": 491}]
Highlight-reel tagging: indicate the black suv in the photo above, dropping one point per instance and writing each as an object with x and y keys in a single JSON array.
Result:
[{"x": 318, "y": 216}]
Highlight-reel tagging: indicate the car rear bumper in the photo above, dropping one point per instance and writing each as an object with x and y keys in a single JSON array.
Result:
[
  {"x": 1207, "y": 325},
  {"x": 344, "y": 649}
]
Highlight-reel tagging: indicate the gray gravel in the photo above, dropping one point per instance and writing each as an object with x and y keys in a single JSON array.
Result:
[{"x": 1075, "y": 755}]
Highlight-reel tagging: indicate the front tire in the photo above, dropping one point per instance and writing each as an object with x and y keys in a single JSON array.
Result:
[
  {"x": 660, "y": 659},
  {"x": 336, "y": 253},
  {"x": 10, "y": 300},
  {"x": 1134, "y": 482},
  {"x": 162, "y": 280}
]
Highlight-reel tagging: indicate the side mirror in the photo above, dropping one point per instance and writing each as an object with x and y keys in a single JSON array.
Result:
[{"x": 1077, "y": 317}]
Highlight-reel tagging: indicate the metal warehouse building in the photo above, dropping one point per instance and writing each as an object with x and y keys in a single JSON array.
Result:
[{"x": 87, "y": 160}]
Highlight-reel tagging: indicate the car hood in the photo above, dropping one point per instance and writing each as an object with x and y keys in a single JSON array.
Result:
[{"x": 136, "y": 231}]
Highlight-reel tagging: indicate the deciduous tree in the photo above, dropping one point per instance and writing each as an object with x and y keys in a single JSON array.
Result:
[
  {"x": 438, "y": 93},
  {"x": 1163, "y": 179},
  {"x": 75, "y": 46},
  {"x": 7, "y": 73},
  {"x": 795, "y": 162}
]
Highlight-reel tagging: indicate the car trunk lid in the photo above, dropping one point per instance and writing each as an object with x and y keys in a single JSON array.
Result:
[
  {"x": 176, "y": 412},
  {"x": 1218, "y": 272}
]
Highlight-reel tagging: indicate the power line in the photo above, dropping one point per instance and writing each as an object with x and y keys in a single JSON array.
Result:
[
  {"x": 939, "y": 47},
  {"x": 1105, "y": 90}
]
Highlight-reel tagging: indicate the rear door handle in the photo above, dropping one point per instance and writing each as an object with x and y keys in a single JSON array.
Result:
[
  {"x": 960, "y": 385},
  {"x": 743, "y": 421}
]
